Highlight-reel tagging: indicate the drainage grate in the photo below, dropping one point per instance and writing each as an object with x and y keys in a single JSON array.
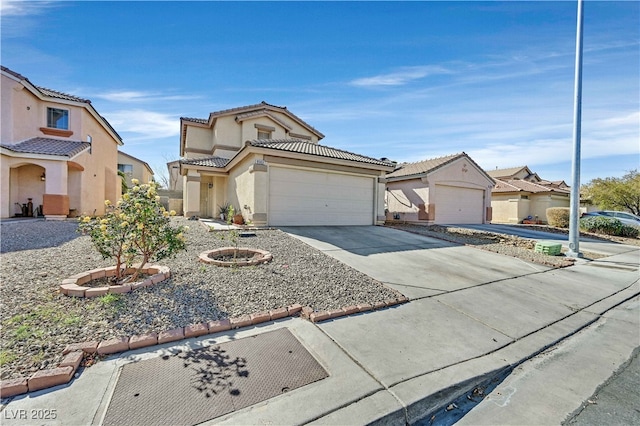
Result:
[{"x": 192, "y": 387}]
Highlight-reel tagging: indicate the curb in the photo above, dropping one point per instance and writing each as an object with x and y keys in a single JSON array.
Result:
[{"x": 76, "y": 352}]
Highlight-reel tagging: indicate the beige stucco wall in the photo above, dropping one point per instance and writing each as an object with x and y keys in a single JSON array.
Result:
[
  {"x": 242, "y": 189},
  {"x": 20, "y": 112},
  {"x": 540, "y": 204},
  {"x": 508, "y": 208},
  {"x": 198, "y": 139},
  {"x": 513, "y": 208},
  {"x": 227, "y": 132},
  {"x": 404, "y": 197}
]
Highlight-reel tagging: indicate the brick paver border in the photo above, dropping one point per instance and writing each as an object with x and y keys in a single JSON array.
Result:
[
  {"x": 73, "y": 287},
  {"x": 74, "y": 353}
]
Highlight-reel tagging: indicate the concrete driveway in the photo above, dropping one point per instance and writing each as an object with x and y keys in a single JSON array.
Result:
[
  {"x": 586, "y": 244},
  {"x": 415, "y": 265}
]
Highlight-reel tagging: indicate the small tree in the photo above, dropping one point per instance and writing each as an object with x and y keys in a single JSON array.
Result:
[
  {"x": 138, "y": 226},
  {"x": 615, "y": 193}
]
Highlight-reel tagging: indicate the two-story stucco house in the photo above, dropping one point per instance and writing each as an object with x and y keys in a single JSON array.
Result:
[
  {"x": 56, "y": 151},
  {"x": 269, "y": 165}
]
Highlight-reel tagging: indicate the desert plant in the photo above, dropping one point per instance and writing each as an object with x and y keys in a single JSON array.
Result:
[
  {"x": 558, "y": 216},
  {"x": 137, "y": 227},
  {"x": 608, "y": 226},
  {"x": 224, "y": 210}
]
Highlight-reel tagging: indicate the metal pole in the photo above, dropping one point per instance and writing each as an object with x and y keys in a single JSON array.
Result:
[{"x": 574, "y": 231}]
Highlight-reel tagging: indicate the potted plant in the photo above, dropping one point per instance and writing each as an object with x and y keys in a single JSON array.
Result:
[{"x": 224, "y": 209}]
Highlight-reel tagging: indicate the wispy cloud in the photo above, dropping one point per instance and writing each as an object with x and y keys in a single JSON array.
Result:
[
  {"x": 127, "y": 96},
  {"x": 23, "y": 8},
  {"x": 18, "y": 17},
  {"x": 140, "y": 124},
  {"x": 400, "y": 77}
]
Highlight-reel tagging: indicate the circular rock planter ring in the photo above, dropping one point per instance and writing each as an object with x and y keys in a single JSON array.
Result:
[
  {"x": 230, "y": 256},
  {"x": 73, "y": 287}
]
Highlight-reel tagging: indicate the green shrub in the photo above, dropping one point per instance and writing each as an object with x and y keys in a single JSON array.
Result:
[
  {"x": 608, "y": 226},
  {"x": 558, "y": 216},
  {"x": 136, "y": 227}
]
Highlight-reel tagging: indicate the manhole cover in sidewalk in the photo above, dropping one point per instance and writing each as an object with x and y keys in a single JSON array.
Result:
[{"x": 195, "y": 386}]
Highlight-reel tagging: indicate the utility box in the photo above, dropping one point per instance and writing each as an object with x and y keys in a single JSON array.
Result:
[{"x": 548, "y": 247}]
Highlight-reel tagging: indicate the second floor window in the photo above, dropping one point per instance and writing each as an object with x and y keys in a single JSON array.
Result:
[
  {"x": 57, "y": 118},
  {"x": 264, "y": 134},
  {"x": 125, "y": 168}
]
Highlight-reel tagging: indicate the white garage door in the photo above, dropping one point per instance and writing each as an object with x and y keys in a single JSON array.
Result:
[
  {"x": 307, "y": 198},
  {"x": 458, "y": 205}
]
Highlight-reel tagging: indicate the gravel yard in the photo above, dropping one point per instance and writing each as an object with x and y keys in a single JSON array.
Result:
[{"x": 38, "y": 322}]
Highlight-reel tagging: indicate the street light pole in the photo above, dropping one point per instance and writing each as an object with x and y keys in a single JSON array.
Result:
[{"x": 574, "y": 231}]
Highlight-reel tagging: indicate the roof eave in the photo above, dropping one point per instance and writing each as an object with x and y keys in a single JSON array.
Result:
[
  {"x": 32, "y": 156},
  {"x": 251, "y": 149}
]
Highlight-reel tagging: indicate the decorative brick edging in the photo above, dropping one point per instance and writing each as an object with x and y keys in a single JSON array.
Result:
[
  {"x": 75, "y": 353},
  {"x": 72, "y": 286},
  {"x": 259, "y": 256}
]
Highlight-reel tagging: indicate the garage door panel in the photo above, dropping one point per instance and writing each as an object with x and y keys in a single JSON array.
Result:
[
  {"x": 459, "y": 205},
  {"x": 304, "y": 197}
]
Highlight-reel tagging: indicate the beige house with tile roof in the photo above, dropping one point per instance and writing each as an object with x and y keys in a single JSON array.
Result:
[
  {"x": 56, "y": 151},
  {"x": 134, "y": 168},
  {"x": 521, "y": 194},
  {"x": 445, "y": 190},
  {"x": 268, "y": 163}
]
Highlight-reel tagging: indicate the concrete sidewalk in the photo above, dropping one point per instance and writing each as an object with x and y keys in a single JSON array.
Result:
[{"x": 399, "y": 364}]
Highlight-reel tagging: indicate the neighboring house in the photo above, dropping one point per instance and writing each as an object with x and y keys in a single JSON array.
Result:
[
  {"x": 445, "y": 190},
  {"x": 267, "y": 163},
  {"x": 520, "y": 194},
  {"x": 175, "y": 180},
  {"x": 56, "y": 150},
  {"x": 134, "y": 168}
]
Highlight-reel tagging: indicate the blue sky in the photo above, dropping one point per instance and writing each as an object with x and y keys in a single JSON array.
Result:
[{"x": 403, "y": 80}]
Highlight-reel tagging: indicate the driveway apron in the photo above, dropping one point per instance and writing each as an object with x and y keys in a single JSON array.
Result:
[{"x": 415, "y": 265}]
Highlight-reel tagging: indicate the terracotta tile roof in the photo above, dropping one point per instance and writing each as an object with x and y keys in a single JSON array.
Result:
[
  {"x": 60, "y": 95},
  {"x": 47, "y": 146},
  {"x": 215, "y": 161},
  {"x": 47, "y": 92},
  {"x": 426, "y": 166},
  {"x": 518, "y": 185},
  {"x": 195, "y": 120},
  {"x": 306, "y": 147},
  {"x": 13, "y": 73}
]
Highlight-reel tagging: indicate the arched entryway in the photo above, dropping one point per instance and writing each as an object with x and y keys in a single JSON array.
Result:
[{"x": 27, "y": 188}]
